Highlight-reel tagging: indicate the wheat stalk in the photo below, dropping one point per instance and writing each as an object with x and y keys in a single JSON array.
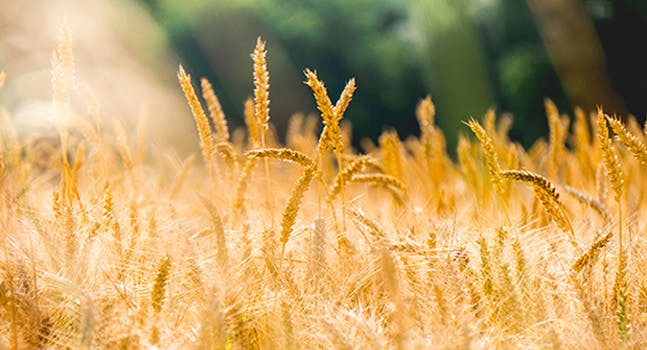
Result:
[
  {"x": 253, "y": 129},
  {"x": 616, "y": 177},
  {"x": 243, "y": 182}
]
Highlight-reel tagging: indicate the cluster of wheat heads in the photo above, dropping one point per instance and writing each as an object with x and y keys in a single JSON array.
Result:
[{"x": 108, "y": 244}]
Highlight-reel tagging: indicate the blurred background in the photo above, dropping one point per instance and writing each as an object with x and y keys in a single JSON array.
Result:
[{"x": 468, "y": 54}]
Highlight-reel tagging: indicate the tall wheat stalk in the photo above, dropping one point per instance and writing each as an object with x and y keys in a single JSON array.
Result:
[
  {"x": 617, "y": 178},
  {"x": 262, "y": 106}
]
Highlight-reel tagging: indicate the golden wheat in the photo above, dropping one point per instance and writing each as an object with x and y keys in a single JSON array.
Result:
[
  {"x": 163, "y": 257},
  {"x": 294, "y": 202},
  {"x": 548, "y": 196},
  {"x": 588, "y": 258},
  {"x": 347, "y": 173},
  {"x": 204, "y": 130},
  {"x": 633, "y": 143},
  {"x": 490, "y": 153},
  {"x": 261, "y": 86},
  {"x": 283, "y": 154},
  {"x": 215, "y": 110}
]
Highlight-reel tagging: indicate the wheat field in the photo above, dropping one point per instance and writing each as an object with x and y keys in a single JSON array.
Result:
[{"x": 310, "y": 244}]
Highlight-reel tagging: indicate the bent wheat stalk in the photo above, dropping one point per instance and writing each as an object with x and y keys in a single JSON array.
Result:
[
  {"x": 547, "y": 194},
  {"x": 633, "y": 143},
  {"x": 591, "y": 255},
  {"x": 283, "y": 154},
  {"x": 356, "y": 166},
  {"x": 294, "y": 203},
  {"x": 589, "y": 201}
]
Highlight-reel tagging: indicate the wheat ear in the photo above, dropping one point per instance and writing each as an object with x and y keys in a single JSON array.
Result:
[
  {"x": 262, "y": 106},
  {"x": 204, "y": 130},
  {"x": 390, "y": 145},
  {"x": 547, "y": 194},
  {"x": 354, "y": 167},
  {"x": 294, "y": 203},
  {"x": 633, "y": 143},
  {"x": 331, "y": 133},
  {"x": 590, "y": 256},
  {"x": 490, "y": 158},
  {"x": 614, "y": 170},
  {"x": 610, "y": 157},
  {"x": 381, "y": 179},
  {"x": 3, "y": 77},
  {"x": 589, "y": 201},
  {"x": 376, "y": 231},
  {"x": 215, "y": 110},
  {"x": 283, "y": 154},
  {"x": 261, "y": 86},
  {"x": 616, "y": 177},
  {"x": 159, "y": 287},
  {"x": 490, "y": 154}
]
